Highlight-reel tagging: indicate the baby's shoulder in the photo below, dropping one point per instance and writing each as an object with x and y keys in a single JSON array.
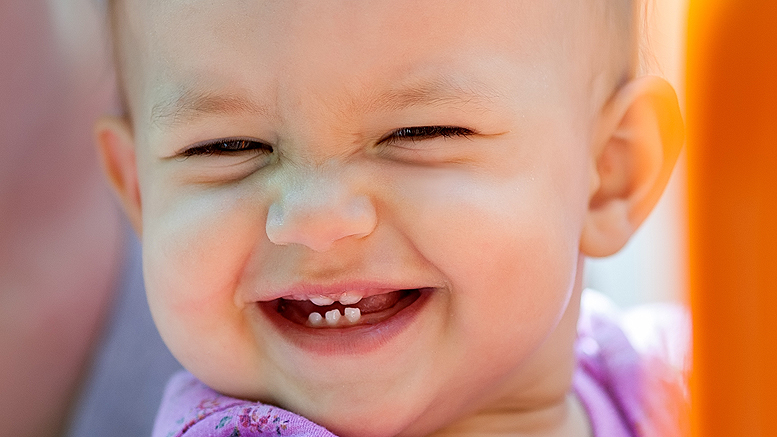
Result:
[
  {"x": 632, "y": 367},
  {"x": 191, "y": 409}
]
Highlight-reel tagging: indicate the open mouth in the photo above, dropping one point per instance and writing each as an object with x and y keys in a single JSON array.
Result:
[{"x": 344, "y": 311}]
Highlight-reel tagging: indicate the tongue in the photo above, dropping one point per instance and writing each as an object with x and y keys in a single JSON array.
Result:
[
  {"x": 298, "y": 311},
  {"x": 379, "y": 302},
  {"x": 371, "y": 304}
]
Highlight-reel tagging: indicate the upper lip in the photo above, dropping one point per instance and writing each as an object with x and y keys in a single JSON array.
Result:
[{"x": 362, "y": 288}]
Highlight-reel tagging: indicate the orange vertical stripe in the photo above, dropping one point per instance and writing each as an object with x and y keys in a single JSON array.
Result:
[{"x": 732, "y": 155}]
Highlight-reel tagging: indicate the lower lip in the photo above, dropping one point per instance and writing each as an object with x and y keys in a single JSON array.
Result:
[{"x": 351, "y": 340}]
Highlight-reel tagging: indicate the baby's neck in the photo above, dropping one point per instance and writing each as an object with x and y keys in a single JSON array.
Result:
[{"x": 565, "y": 418}]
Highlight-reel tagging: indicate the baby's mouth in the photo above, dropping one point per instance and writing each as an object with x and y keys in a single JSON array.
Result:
[{"x": 346, "y": 310}]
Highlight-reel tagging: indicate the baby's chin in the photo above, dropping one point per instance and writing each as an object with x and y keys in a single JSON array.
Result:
[
  {"x": 377, "y": 417},
  {"x": 386, "y": 423}
]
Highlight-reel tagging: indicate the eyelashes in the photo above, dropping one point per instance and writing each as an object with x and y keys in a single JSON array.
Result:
[
  {"x": 227, "y": 146},
  {"x": 418, "y": 133},
  {"x": 233, "y": 146}
]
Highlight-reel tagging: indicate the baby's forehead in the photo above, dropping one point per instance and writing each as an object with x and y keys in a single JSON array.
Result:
[
  {"x": 159, "y": 34},
  {"x": 523, "y": 16}
]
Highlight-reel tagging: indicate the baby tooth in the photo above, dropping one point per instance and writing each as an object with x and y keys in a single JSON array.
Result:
[
  {"x": 353, "y": 314},
  {"x": 315, "y": 319},
  {"x": 349, "y": 299},
  {"x": 332, "y": 317},
  {"x": 322, "y": 300}
]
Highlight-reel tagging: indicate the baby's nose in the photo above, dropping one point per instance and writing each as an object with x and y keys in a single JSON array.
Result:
[{"x": 316, "y": 213}]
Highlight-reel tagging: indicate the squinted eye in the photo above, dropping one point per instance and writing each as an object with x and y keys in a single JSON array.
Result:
[
  {"x": 228, "y": 146},
  {"x": 419, "y": 133}
]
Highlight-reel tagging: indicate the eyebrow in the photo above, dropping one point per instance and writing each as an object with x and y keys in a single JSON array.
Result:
[
  {"x": 440, "y": 91},
  {"x": 192, "y": 103}
]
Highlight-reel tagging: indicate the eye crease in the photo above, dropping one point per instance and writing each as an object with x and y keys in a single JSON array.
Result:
[
  {"x": 414, "y": 133},
  {"x": 226, "y": 146},
  {"x": 426, "y": 132}
]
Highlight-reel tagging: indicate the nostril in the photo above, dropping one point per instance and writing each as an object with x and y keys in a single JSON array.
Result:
[{"x": 318, "y": 224}]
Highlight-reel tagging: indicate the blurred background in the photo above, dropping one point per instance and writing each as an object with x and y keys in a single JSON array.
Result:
[{"x": 63, "y": 245}]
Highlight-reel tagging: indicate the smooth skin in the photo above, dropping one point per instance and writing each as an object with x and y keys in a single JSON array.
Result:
[{"x": 549, "y": 163}]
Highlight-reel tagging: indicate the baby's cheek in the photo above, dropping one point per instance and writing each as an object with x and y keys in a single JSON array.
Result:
[
  {"x": 490, "y": 231},
  {"x": 506, "y": 247},
  {"x": 194, "y": 249}
]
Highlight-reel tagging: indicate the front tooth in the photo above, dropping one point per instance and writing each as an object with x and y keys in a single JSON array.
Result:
[
  {"x": 322, "y": 300},
  {"x": 353, "y": 314},
  {"x": 315, "y": 319},
  {"x": 349, "y": 298},
  {"x": 332, "y": 317}
]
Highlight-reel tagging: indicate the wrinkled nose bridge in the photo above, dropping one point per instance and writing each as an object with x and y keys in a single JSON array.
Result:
[{"x": 318, "y": 211}]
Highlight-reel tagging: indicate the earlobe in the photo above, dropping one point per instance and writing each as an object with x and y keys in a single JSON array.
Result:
[
  {"x": 116, "y": 148},
  {"x": 637, "y": 141}
]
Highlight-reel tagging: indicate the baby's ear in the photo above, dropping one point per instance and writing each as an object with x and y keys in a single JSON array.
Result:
[
  {"x": 638, "y": 138},
  {"x": 116, "y": 147}
]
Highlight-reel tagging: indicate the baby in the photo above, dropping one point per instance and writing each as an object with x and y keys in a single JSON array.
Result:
[{"x": 373, "y": 214}]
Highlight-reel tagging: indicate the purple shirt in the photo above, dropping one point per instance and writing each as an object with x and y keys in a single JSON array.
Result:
[
  {"x": 632, "y": 367},
  {"x": 629, "y": 379}
]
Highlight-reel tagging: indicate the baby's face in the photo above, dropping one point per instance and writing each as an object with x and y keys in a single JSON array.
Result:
[{"x": 430, "y": 158}]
